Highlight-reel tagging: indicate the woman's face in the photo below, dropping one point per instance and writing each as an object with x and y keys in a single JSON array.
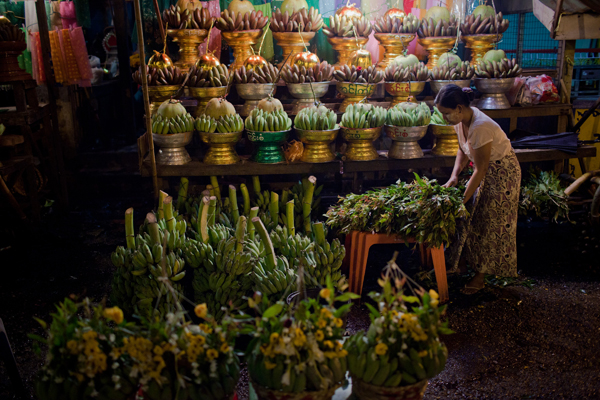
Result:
[{"x": 453, "y": 116}]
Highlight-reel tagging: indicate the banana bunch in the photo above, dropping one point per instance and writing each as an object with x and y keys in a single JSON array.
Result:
[
  {"x": 205, "y": 123},
  {"x": 215, "y": 77},
  {"x": 297, "y": 193},
  {"x": 176, "y": 18},
  {"x": 342, "y": 26},
  {"x": 160, "y": 76},
  {"x": 305, "y": 21},
  {"x": 179, "y": 124},
  {"x": 280, "y": 280},
  {"x": 262, "y": 121},
  {"x": 392, "y": 370},
  {"x": 437, "y": 117},
  {"x": 409, "y": 114},
  {"x": 397, "y": 73},
  {"x": 292, "y": 247},
  {"x": 387, "y": 24},
  {"x": 230, "y": 123},
  {"x": 361, "y": 116},
  {"x": 429, "y": 28},
  {"x": 507, "y": 68},
  {"x": 231, "y": 21},
  {"x": 322, "y": 72},
  {"x": 489, "y": 25},
  {"x": 315, "y": 118},
  {"x": 123, "y": 280},
  {"x": 358, "y": 75},
  {"x": 443, "y": 72},
  {"x": 267, "y": 73},
  {"x": 324, "y": 259},
  {"x": 11, "y": 33}
]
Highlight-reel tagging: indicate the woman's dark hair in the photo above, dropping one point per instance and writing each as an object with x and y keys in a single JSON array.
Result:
[{"x": 451, "y": 96}]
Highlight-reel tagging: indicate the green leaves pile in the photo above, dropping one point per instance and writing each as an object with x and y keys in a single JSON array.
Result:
[
  {"x": 423, "y": 210},
  {"x": 544, "y": 195}
]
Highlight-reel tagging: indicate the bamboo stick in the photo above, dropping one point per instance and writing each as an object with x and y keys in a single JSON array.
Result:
[
  {"x": 246, "y": 197},
  {"x": 211, "y": 190},
  {"x": 240, "y": 231},
  {"x": 129, "y": 231},
  {"x": 235, "y": 212},
  {"x": 160, "y": 26},
  {"x": 183, "y": 192},
  {"x": 253, "y": 214},
  {"x": 153, "y": 228},
  {"x": 319, "y": 233},
  {"x": 289, "y": 208},
  {"x": 199, "y": 215},
  {"x": 140, "y": 34},
  {"x": 575, "y": 185},
  {"x": 307, "y": 202},
  {"x": 274, "y": 207},
  {"x": 215, "y": 184},
  {"x": 212, "y": 210},
  {"x": 170, "y": 219},
  {"x": 161, "y": 198},
  {"x": 264, "y": 236},
  {"x": 204, "y": 220},
  {"x": 256, "y": 184}
]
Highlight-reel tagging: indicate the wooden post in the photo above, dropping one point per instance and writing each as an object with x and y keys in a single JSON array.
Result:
[{"x": 148, "y": 117}]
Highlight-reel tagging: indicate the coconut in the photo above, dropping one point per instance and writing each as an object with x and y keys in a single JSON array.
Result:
[
  {"x": 219, "y": 107},
  {"x": 408, "y": 61},
  {"x": 494, "y": 55},
  {"x": 438, "y": 13},
  {"x": 449, "y": 59},
  {"x": 293, "y": 5},
  {"x": 484, "y": 11},
  {"x": 270, "y": 104},
  {"x": 171, "y": 109},
  {"x": 241, "y": 6},
  {"x": 189, "y": 4}
]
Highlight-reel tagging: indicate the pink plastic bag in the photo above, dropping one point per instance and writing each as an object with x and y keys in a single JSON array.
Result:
[
  {"x": 68, "y": 15},
  {"x": 542, "y": 89},
  {"x": 215, "y": 36},
  {"x": 81, "y": 56}
]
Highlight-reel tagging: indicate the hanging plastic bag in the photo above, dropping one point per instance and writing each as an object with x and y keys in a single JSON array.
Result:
[
  {"x": 68, "y": 14},
  {"x": 542, "y": 89},
  {"x": 55, "y": 19},
  {"x": 81, "y": 56},
  {"x": 214, "y": 44}
]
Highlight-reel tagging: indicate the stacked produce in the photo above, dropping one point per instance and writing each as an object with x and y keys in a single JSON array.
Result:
[
  {"x": 437, "y": 117},
  {"x": 221, "y": 115},
  {"x": 355, "y": 74},
  {"x": 315, "y": 119},
  {"x": 11, "y": 33},
  {"x": 390, "y": 24},
  {"x": 172, "y": 117},
  {"x": 231, "y": 21},
  {"x": 204, "y": 123},
  {"x": 413, "y": 73},
  {"x": 544, "y": 194},
  {"x": 430, "y": 27},
  {"x": 479, "y": 24},
  {"x": 169, "y": 75},
  {"x": 444, "y": 71},
  {"x": 176, "y": 18},
  {"x": 298, "y": 352},
  {"x": 342, "y": 26},
  {"x": 409, "y": 114},
  {"x": 402, "y": 345},
  {"x": 301, "y": 20},
  {"x": 322, "y": 72},
  {"x": 267, "y": 73},
  {"x": 324, "y": 261},
  {"x": 362, "y": 116},
  {"x": 216, "y": 76},
  {"x": 261, "y": 121},
  {"x": 423, "y": 210},
  {"x": 506, "y": 68}
]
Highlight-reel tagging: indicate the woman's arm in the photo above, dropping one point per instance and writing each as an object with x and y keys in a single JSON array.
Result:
[
  {"x": 459, "y": 164},
  {"x": 481, "y": 161}
]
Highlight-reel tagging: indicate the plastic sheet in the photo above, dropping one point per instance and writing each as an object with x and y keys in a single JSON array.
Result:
[
  {"x": 68, "y": 14},
  {"x": 542, "y": 89}
]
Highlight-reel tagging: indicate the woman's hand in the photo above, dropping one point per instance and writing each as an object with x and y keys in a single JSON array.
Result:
[{"x": 453, "y": 181}]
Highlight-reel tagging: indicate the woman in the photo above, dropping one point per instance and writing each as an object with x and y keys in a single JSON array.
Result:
[{"x": 488, "y": 242}]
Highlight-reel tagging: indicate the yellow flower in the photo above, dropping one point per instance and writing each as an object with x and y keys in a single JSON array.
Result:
[
  {"x": 325, "y": 313},
  {"x": 274, "y": 339},
  {"x": 325, "y": 293},
  {"x": 211, "y": 354},
  {"x": 201, "y": 310},
  {"x": 114, "y": 314},
  {"x": 433, "y": 302},
  {"x": 381, "y": 349},
  {"x": 72, "y": 345},
  {"x": 433, "y": 294},
  {"x": 423, "y": 353},
  {"x": 299, "y": 339},
  {"x": 89, "y": 335},
  {"x": 158, "y": 350},
  {"x": 205, "y": 328},
  {"x": 224, "y": 347},
  {"x": 342, "y": 353},
  {"x": 269, "y": 364},
  {"x": 328, "y": 343},
  {"x": 338, "y": 322},
  {"x": 319, "y": 335},
  {"x": 321, "y": 323},
  {"x": 201, "y": 340}
]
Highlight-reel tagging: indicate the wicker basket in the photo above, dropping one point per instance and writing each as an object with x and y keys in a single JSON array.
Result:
[
  {"x": 365, "y": 391},
  {"x": 268, "y": 394}
]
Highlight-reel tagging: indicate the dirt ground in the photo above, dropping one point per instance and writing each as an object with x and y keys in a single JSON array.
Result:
[{"x": 535, "y": 337}]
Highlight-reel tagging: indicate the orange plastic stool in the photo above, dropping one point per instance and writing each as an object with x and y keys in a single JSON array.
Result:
[{"x": 357, "y": 252}]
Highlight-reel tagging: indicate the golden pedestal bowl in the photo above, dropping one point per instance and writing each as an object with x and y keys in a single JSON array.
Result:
[
  {"x": 304, "y": 94},
  {"x": 344, "y": 47},
  {"x": 253, "y": 93},
  {"x": 403, "y": 92},
  {"x": 394, "y": 45},
  {"x": 436, "y": 46},
  {"x": 189, "y": 40},
  {"x": 316, "y": 145},
  {"x": 354, "y": 92},
  {"x": 241, "y": 42},
  {"x": 292, "y": 43},
  {"x": 360, "y": 143},
  {"x": 446, "y": 140},
  {"x": 479, "y": 45},
  {"x": 436, "y": 86},
  {"x": 221, "y": 147},
  {"x": 405, "y": 141},
  {"x": 158, "y": 94},
  {"x": 204, "y": 94}
]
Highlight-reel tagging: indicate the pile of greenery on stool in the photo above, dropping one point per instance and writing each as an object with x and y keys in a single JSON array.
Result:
[
  {"x": 544, "y": 195},
  {"x": 423, "y": 210}
]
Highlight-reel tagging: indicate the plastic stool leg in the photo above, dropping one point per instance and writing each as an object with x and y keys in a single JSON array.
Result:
[
  {"x": 353, "y": 262},
  {"x": 439, "y": 264}
]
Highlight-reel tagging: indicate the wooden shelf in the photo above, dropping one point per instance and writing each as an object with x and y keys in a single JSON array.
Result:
[
  {"x": 246, "y": 167},
  {"x": 18, "y": 118}
]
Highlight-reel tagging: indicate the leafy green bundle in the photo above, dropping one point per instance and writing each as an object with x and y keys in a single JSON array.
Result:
[
  {"x": 422, "y": 210},
  {"x": 544, "y": 195}
]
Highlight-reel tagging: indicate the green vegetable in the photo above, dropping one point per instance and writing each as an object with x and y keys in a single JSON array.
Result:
[{"x": 543, "y": 194}]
